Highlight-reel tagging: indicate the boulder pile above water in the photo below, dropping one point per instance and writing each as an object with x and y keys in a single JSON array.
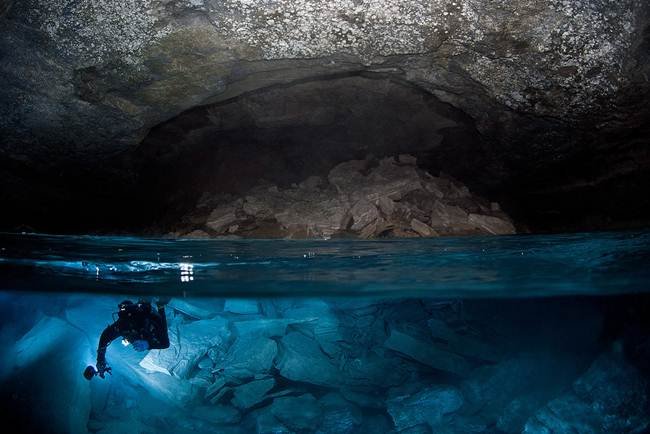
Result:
[{"x": 360, "y": 198}]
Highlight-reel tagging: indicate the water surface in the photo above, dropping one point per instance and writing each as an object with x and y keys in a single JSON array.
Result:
[
  {"x": 536, "y": 334},
  {"x": 503, "y": 266}
]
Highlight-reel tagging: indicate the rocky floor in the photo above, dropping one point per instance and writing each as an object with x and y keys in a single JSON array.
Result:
[
  {"x": 360, "y": 198},
  {"x": 337, "y": 366}
]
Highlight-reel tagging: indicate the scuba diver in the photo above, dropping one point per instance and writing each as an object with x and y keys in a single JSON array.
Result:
[{"x": 139, "y": 325}]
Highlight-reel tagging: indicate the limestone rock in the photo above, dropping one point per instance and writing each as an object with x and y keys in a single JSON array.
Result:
[
  {"x": 248, "y": 356},
  {"x": 363, "y": 214},
  {"x": 426, "y": 353},
  {"x": 241, "y": 306},
  {"x": 347, "y": 176},
  {"x": 474, "y": 346},
  {"x": 426, "y": 406},
  {"x": 492, "y": 225},
  {"x": 188, "y": 344},
  {"x": 311, "y": 183},
  {"x": 612, "y": 396},
  {"x": 364, "y": 198},
  {"x": 314, "y": 219},
  {"x": 297, "y": 413},
  {"x": 339, "y": 415},
  {"x": 386, "y": 205},
  {"x": 197, "y": 309},
  {"x": 301, "y": 359},
  {"x": 406, "y": 159},
  {"x": 263, "y": 327},
  {"x": 196, "y": 234},
  {"x": 217, "y": 414},
  {"x": 222, "y": 218},
  {"x": 422, "y": 228},
  {"x": 448, "y": 217},
  {"x": 249, "y": 394}
]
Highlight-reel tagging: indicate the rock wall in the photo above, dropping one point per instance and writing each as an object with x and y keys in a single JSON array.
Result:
[{"x": 360, "y": 198}]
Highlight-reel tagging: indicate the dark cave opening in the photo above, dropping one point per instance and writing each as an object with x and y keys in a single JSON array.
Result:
[{"x": 283, "y": 134}]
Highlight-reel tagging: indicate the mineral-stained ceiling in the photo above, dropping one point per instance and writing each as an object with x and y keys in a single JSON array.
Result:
[{"x": 546, "y": 81}]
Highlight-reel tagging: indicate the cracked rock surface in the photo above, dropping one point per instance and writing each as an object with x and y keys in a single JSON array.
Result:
[
  {"x": 344, "y": 365},
  {"x": 360, "y": 198}
]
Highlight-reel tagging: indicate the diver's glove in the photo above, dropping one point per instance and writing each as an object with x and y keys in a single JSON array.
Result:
[{"x": 102, "y": 368}]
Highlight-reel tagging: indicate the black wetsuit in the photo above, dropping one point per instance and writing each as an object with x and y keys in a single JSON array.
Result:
[{"x": 138, "y": 322}]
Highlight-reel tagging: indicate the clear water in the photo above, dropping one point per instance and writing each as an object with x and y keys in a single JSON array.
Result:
[{"x": 533, "y": 334}]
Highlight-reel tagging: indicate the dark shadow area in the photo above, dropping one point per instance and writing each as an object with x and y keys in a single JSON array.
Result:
[{"x": 552, "y": 178}]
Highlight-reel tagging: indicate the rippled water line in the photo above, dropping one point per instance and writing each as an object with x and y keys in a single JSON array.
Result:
[{"x": 513, "y": 266}]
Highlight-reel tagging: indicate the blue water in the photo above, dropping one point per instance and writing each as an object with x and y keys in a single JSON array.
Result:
[
  {"x": 532, "y": 334},
  {"x": 505, "y": 266}
]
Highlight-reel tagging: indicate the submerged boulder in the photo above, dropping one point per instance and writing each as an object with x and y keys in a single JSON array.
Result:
[
  {"x": 301, "y": 359},
  {"x": 427, "y": 406},
  {"x": 339, "y": 415},
  {"x": 248, "y": 356},
  {"x": 188, "y": 344},
  {"x": 298, "y": 413},
  {"x": 427, "y": 353},
  {"x": 612, "y": 396},
  {"x": 249, "y": 394},
  {"x": 217, "y": 414},
  {"x": 241, "y": 306}
]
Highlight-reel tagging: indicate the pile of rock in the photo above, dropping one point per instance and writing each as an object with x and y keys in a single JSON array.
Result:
[
  {"x": 316, "y": 366},
  {"x": 390, "y": 198},
  {"x": 288, "y": 366},
  {"x": 338, "y": 366}
]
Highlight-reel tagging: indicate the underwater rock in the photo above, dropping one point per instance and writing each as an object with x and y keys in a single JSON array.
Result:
[
  {"x": 339, "y": 415},
  {"x": 427, "y": 353},
  {"x": 612, "y": 396},
  {"x": 249, "y": 394},
  {"x": 220, "y": 387},
  {"x": 301, "y": 359},
  {"x": 217, "y": 414},
  {"x": 188, "y": 344},
  {"x": 428, "y": 406},
  {"x": 463, "y": 345},
  {"x": 248, "y": 356},
  {"x": 241, "y": 306},
  {"x": 368, "y": 397},
  {"x": 195, "y": 309},
  {"x": 203, "y": 378},
  {"x": 509, "y": 392},
  {"x": 205, "y": 363},
  {"x": 263, "y": 327},
  {"x": 47, "y": 345},
  {"x": 320, "y": 321},
  {"x": 297, "y": 412},
  {"x": 266, "y": 423},
  {"x": 128, "y": 424},
  {"x": 46, "y": 335}
]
